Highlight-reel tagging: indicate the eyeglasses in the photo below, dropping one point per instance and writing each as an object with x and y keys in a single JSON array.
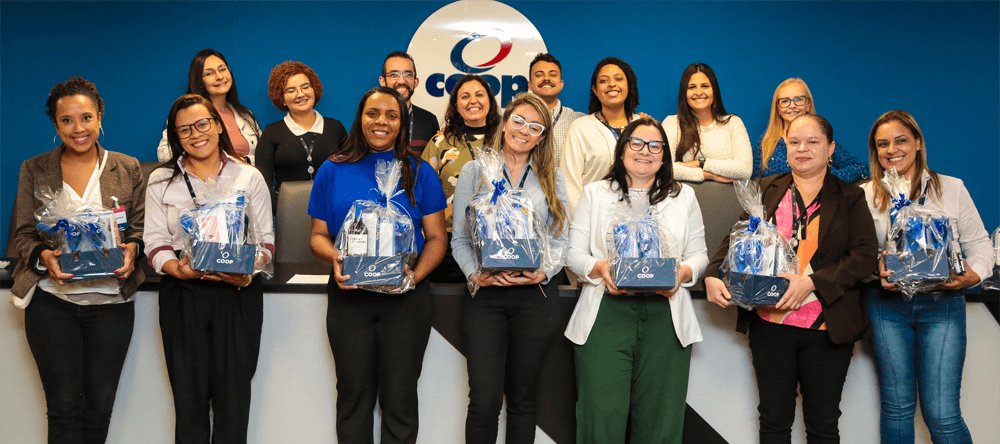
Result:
[
  {"x": 393, "y": 75},
  {"x": 211, "y": 72},
  {"x": 517, "y": 122},
  {"x": 785, "y": 101},
  {"x": 291, "y": 90},
  {"x": 636, "y": 144},
  {"x": 202, "y": 125}
]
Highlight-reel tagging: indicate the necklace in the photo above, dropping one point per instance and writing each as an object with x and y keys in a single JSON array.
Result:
[{"x": 309, "y": 152}]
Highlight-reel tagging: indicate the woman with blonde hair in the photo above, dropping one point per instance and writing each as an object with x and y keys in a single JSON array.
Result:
[
  {"x": 508, "y": 327},
  {"x": 791, "y": 99}
]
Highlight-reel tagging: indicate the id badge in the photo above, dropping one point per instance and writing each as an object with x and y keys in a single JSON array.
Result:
[{"x": 120, "y": 218}]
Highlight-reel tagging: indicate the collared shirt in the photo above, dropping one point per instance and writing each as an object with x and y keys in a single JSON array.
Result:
[
  {"x": 562, "y": 117},
  {"x": 298, "y": 131},
  {"x": 468, "y": 182},
  {"x": 166, "y": 201}
]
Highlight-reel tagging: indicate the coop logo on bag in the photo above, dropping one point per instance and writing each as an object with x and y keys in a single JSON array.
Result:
[
  {"x": 773, "y": 292},
  {"x": 487, "y": 38},
  {"x": 645, "y": 274},
  {"x": 223, "y": 259}
]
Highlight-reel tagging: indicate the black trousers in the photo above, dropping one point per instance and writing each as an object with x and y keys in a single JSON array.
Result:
[
  {"x": 506, "y": 332},
  {"x": 378, "y": 342},
  {"x": 80, "y": 351},
  {"x": 786, "y": 357},
  {"x": 211, "y": 340}
]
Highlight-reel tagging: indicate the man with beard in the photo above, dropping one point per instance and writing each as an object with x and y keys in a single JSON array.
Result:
[
  {"x": 400, "y": 73},
  {"x": 545, "y": 80}
]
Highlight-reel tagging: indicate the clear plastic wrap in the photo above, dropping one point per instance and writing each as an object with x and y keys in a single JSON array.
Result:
[
  {"x": 643, "y": 254},
  {"x": 376, "y": 240},
  {"x": 993, "y": 282},
  {"x": 757, "y": 255},
  {"x": 506, "y": 232},
  {"x": 921, "y": 250},
  {"x": 86, "y": 234},
  {"x": 220, "y": 236}
]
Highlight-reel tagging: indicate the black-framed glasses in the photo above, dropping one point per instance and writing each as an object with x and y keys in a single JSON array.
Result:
[
  {"x": 211, "y": 72},
  {"x": 202, "y": 125},
  {"x": 517, "y": 122},
  {"x": 291, "y": 90},
  {"x": 784, "y": 102},
  {"x": 393, "y": 75},
  {"x": 636, "y": 144}
]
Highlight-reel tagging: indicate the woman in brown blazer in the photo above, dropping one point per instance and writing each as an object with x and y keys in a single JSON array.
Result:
[
  {"x": 808, "y": 338},
  {"x": 78, "y": 331}
]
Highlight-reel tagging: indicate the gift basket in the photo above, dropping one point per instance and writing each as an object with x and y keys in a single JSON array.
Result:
[
  {"x": 921, "y": 249},
  {"x": 643, "y": 255},
  {"x": 85, "y": 234},
  {"x": 376, "y": 239},
  {"x": 507, "y": 233},
  {"x": 758, "y": 254},
  {"x": 220, "y": 235},
  {"x": 993, "y": 282}
]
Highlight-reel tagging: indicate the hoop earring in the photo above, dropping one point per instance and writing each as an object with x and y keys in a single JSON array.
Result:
[
  {"x": 54, "y": 139},
  {"x": 100, "y": 140},
  {"x": 829, "y": 161}
]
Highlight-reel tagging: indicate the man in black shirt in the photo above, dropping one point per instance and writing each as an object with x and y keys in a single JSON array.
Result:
[{"x": 400, "y": 73}]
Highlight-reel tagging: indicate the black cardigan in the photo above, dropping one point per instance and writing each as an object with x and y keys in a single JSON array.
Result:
[{"x": 280, "y": 156}]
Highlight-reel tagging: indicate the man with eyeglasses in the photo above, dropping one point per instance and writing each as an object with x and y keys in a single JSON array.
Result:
[
  {"x": 545, "y": 80},
  {"x": 399, "y": 72}
]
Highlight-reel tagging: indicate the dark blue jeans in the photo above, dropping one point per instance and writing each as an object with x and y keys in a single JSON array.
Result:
[
  {"x": 919, "y": 354},
  {"x": 80, "y": 351}
]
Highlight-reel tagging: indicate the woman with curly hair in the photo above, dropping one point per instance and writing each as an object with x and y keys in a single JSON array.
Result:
[
  {"x": 708, "y": 143},
  {"x": 471, "y": 119},
  {"x": 590, "y": 143},
  {"x": 209, "y": 76},
  {"x": 294, "y": 147}
]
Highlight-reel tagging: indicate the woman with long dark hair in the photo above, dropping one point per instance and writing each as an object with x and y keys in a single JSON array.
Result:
[
  {"x": 209, "y": 76},
  {"x": 707, "y": 142},
  {"x": 78, "y": 331},
  {"x": 510, "y": 323},
  {"x": 377, "y": 339},
  {"x": 590, "y": 143},
  {"x": 920, "y": 343},
  {"x": 210, "y": 322},
  {"x": 633, "y": 352}
]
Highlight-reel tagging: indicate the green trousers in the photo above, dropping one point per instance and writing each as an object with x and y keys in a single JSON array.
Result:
[{"x": 632, "y": 369}]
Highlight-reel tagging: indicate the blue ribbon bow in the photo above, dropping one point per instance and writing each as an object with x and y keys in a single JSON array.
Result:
[
  {"x": 752, "y": 225},
  {"x": 898, "y": 204},
  {"x": 498, "y": 189},
  {"x": 381, "y": 197}
]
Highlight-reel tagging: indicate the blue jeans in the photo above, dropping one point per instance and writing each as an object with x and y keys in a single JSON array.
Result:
[{"x": 919, "y": 354}]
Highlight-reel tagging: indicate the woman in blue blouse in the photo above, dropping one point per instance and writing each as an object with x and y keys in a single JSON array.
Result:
[
  {"x": 508, "y": 326},
  {"x": 792, "y": 99},
  {"x": 378, "y": 340}
]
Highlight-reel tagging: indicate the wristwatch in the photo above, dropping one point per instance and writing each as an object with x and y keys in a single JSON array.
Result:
[{"x": 701, "y": 162}]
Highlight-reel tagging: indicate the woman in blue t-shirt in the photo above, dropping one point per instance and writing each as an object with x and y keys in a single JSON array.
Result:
[{"x": 378, "y": 340}]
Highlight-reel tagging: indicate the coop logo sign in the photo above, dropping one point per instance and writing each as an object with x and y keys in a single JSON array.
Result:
[{"x": 487, "y": 38}]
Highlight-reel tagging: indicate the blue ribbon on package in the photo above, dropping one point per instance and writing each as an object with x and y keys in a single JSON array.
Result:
[
  {"x": 898, "y": 204},
  {"x": 748, "y": 256},
  {"x": 498, "y": 190},
  {"x": 752, "y": 225},
  {"x": 642, "y": 241}
]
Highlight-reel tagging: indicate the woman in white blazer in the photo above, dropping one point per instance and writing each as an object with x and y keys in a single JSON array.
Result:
[{"x": 633, "y": 350}]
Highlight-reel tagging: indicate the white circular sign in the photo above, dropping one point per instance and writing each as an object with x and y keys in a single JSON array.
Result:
[{"x": 487, "y": 38}]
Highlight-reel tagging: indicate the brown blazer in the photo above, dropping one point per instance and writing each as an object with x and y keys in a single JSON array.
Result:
[
  {"x": 847, "y": 253},
  {"x": 122, "y": 178}
]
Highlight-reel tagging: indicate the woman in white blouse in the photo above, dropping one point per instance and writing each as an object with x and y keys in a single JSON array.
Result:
[
  {"x": 210, "y": 322},
  {"x": 612, "y": 363},
  {"x": 706, "y": 143},
  {"x": 919, "y": 343}
]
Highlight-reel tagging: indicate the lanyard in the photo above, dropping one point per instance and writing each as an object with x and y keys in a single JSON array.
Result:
[
  {"x": 468, "y": 144},
  {"x": 556, "y": 120},
  {"x": 617, "y": 132},
  {"x": 309, "y": 152},
  {"x": 410, "y": 110},
  {"x": 524, "y": 176}
]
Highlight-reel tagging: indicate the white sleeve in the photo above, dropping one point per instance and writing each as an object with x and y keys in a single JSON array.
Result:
[
  {"x": 740, "y": 165},
  {"x": 156, "y": 232},
  {"x": 681, "y": 172},
  {"x": 163, "y": 153},
  {"x": 572, "y": 164},
  {"x": 581, "y": 259},
  {"x": 972, "y": 234},
  {"x": 695, "y": 254}
]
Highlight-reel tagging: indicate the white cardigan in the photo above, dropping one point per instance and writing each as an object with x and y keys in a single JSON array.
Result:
[
  {"x": 587, "y": 155},
  {"x": 249, "y": 131},
  {"x": 587, "y": 247},
  {"x": 726, "y": 149}
]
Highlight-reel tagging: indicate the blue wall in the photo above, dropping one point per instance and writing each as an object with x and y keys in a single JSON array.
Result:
[{"x": 937, "y": 60}]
